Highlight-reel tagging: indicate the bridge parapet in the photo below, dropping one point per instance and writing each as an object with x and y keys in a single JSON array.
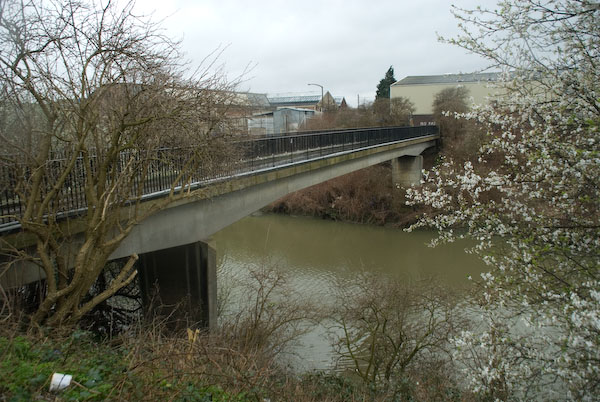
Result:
[{"x": 255, "y": 155}]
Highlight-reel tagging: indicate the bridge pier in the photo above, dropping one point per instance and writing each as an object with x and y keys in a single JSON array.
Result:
[
  {"x": 406, "y": 170},
  {"x": 181, "y": 280}
]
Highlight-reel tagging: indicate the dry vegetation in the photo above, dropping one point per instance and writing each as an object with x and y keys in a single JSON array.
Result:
[
  {"x": 240, "y": 360},
  {"x": 395, "y": 335},
  {"x": 366, "y": 196},
  {"x": 381, "y": 113}
]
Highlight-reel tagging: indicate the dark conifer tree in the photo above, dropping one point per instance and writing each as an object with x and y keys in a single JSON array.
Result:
[{"x": 383, "y": 89}]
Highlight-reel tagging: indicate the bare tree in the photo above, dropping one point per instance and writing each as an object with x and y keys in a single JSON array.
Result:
[
  {"x": 446, "y": 104},
  {"x": 393, "y": 112},
  {"x": 461, "y": 137},
  {"x": 383, "y": 112},
  {"x": 90, "y": 96},
  {"x": 401, "y": 111},
  {"x": 389, "y": 327},
  {"x": 269, "y": 316}
]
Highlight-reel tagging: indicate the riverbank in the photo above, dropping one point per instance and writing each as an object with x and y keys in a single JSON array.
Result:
[
  {"x": 365, "y": 196},
  {"x": 150, "y": 365}
]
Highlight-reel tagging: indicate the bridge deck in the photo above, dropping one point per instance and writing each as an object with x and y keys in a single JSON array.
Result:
[{"x": 255, "y": 155}]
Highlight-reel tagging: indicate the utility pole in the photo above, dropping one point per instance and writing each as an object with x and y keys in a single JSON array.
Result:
[{"x": 319, "y": 85}]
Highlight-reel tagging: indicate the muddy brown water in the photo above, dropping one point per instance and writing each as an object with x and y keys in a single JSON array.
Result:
[{"x": 316, "y": 253}]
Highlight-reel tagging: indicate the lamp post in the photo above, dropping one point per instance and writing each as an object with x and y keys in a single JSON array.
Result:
[{"x": 318, "y": 85}]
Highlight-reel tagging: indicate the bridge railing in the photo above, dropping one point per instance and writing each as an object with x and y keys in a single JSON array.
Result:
[
  {"x": 158, "y": 176},
  {"x": 279, "y": 150}
]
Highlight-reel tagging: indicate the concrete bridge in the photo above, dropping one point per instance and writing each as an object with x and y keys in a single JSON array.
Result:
[{"x": 172, "y": 243}]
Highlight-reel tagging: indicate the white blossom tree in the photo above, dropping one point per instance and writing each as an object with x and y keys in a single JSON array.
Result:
[{"x": 532, "y": 202}]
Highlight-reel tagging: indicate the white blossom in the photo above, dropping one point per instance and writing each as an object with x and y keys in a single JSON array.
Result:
[{"x": 531, "y": 202}]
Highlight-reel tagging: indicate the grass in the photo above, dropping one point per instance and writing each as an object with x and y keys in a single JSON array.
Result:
[
  {"x": 236, "y": 362},
  {"x": 101, "y": 370},
  {"x": 151, "y": 366}
]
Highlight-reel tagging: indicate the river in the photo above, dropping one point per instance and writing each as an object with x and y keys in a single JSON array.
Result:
[{"x": 316, "y": 253}]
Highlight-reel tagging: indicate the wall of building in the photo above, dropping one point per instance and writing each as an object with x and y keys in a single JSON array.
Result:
[
  {"x": 422, "y": 95},
  {"x": 286, "y": 120},
  {"x": 282, "y": 120},
  {"x": 261, "y": 125}
]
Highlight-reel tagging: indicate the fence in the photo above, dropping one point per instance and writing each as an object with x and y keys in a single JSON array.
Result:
[{"x": 150, "y": 176}]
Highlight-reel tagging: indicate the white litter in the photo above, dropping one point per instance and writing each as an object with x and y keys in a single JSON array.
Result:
[{"x": 60, "y": 381}]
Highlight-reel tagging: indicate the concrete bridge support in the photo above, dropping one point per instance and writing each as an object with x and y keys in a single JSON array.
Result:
[
  {"x": 406, "y": 170},
  {"x": 183, "y": 278}
]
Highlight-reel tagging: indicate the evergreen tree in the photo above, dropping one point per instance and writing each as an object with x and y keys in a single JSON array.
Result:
[{"x": 383, "y": 89}]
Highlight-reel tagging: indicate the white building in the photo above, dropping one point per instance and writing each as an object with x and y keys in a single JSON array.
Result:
[{"x": 421, "y": 90}]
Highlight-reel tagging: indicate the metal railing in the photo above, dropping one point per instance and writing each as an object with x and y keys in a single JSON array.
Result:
[{"x": 155, "y": 178}]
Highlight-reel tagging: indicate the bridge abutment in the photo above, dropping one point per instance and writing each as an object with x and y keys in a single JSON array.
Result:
[
  {"x": 406, "y": 170},
  {"x": 181, "y": 282}
]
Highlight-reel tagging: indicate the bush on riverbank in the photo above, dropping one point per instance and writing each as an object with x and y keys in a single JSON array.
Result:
[
  {"x": 366, "y": 196},
  {"x": 149, "y": 365},
  {"x": 394, "y": 334},
  {"x": 238, "y": 361}
]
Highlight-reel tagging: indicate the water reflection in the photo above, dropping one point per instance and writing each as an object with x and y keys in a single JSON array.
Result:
[
  {"x": 308, "y": 246},
  {"x": 317, "y": 253}
]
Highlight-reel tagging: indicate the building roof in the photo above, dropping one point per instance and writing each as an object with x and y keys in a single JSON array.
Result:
[
  {"x": 447, "y": 79},
  {"x": 295, "y": 99},
  {"x": 253, "y": 99},
  {"x": 262, "y": 114},
  {"x": 295, "y": 109},
  {"x": 282, "y": 108},
  {"x": 339, "y": 100}
]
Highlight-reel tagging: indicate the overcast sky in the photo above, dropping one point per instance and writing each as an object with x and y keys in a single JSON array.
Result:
[{"x": 344, "y": 45}]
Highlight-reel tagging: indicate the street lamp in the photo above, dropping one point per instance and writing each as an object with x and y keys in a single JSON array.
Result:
[{"x": 318, "y": 85}]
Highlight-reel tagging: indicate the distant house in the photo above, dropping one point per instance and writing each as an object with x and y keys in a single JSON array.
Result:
[
  {"x": 260, "y": 114},
  {"x": 421, "y": 90},
  {"x": 340, "y": 101}
]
